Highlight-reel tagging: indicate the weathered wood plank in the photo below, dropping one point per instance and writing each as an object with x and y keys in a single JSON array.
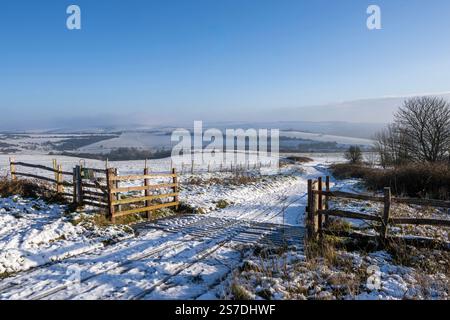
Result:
[
  {"x": 421, "y": 221},
  {"x": 94, "y": 193},
  {"x": 142, "y": 177},
  {"x": 145, "y": 209},
  {"x": 351, "y": 215},
  {"x": 396, "y": 221},
  {"x": 416, "y": 201},
  {"x": 141, "y": 199},
  {"x": 37, "y": 166},
  {"x": 95, "y": 199},
  {"x": 34, "y": 176},
  {"x": 143, "y": 188},
  {"x": 94, "y": 186},
  {"x": 423, "y": 202},
  {"x": 95, "y": 204},
  {"x": 348, "y": 195}
]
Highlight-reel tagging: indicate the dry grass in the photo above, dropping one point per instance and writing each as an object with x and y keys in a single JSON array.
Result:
[
  {"x": 30, "y": 189},
  {"x": 235, "y": 180},
  {"x": 239, "y": 292},
  {"x": 426, "y": 260},
  {"x": 102, "y": 221},
  {"x": 222, "y": 204}
]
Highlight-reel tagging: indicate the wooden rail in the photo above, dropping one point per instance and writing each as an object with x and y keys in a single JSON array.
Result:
[
  {"x": 318, "y": 207},
  {"x": 394, "y": 221},
  {"x": 143, "y": 188},
  {"x": 142, "y": 177},
  {"x": 139, "y": 203},
  {"x": 413, "y": 201}
]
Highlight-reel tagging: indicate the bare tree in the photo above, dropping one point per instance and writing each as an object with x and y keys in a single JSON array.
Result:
[
  {"x": 425, "y": 124},
  {"x": 353, "y": 154},
  {"x": 391, "y": 145}
]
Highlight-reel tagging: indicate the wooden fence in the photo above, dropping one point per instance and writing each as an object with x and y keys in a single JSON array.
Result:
[
  {"x": 57, "y": 180},
  {"x": 318, "y": 208},
  {"x": 100, "y": 188}
]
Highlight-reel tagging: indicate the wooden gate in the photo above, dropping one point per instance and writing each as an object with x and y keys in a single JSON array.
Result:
[{"x": 90, "y": 187}]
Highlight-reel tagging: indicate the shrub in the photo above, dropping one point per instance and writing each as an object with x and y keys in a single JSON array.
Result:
[
  {"x": 349, "y": 170},
  {"x": 430, "y": 180},
  {"x": 299, "y": 159},
  {"x": 222, "y": 204},
  {"x": 353, "y": 154}
]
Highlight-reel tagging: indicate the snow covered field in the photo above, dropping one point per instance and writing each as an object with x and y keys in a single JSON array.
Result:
[
  {"x": 45, "y": 255},
  {"x": 46, "y": 235}
]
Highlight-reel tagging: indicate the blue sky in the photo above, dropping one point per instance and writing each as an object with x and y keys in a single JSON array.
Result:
[{"x": 213, "y": 59}]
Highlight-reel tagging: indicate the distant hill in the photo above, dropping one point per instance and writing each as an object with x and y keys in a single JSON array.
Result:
[{"x": 380, "y": 110}]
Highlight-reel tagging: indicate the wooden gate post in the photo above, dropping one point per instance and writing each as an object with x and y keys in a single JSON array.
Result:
[
  {"x": 110, "y": 174},
  {"x": 175, "y": 188},
  {"x": 59, "y": 180},
  {"x": 386, "y": 213},
  {"x": 118, "y": 195},
  {"x": 12, "y": 168},
  {"x": 147, "y": 191},
  {"x": 78, "y": 186},
  {"x": 327, "y": 198},
  {"x": 56, "y": 173},
  {"x": 55, "y": 168},
  {"x": 320, "y": 205},
  {"x": 311, "y": 212}
]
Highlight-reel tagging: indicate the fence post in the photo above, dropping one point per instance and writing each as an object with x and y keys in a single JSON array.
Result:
[
  {"x": 118, "y": 195},
  {"x": 192, "y": 167},
  {"x": 327, "y": 198},
  {"x": 75, "y": 186},
  {"x": 175, "y": 188},
  {"x": 56, "y": 174},
  {"x": 12, "y": 168},
  {"x": 110, "y": 174},
  {"x": 386, "y": 213},
  {"x": 311, "y": 225},
  {"x": 320, "y": 205},
  {"x": 78, "y": 185},
  {"x": 147, "y": 191},
  {"x": 59, "y": 180},
  {"x": 55, "y": 168}
]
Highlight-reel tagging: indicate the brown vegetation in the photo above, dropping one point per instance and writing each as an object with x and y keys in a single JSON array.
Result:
[
  {"x": 427, "y": 180},
  {"x": 236, "y": 180},
  {"x": 299, "y": 159},
  {"x": 30, "y": 189}
]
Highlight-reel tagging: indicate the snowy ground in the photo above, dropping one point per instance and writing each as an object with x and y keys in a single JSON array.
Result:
[
  {"x": 353, "y": 275},
  {"x": 181, "y": 257},
  {"x": 33, "y": 233},
  {"x": 44, "y": 255},
  {"x": 399, "y": 272}
]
